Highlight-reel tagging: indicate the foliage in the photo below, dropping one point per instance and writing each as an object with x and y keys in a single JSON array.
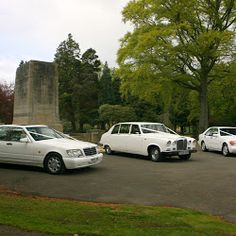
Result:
[
  {"x": 105, "y": 86},
  {"x": 72, "y": 217},
  {"x": 78, "y": 83},
  {"x": 222, "y": 100},
  {"x": 110, "y": 114},
  {"x": 6, "y": 103},
  {"x": 67, "y": 58},
  {"x": 182, "y": 41}
]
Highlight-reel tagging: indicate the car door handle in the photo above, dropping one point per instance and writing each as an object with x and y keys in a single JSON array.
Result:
[{"x": 9, "y": 144}]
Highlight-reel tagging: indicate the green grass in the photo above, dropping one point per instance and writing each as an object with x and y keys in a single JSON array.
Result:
[{"x": 89, "y": 219}]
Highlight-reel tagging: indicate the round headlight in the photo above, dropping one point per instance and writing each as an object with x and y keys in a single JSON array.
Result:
[{"x": 168, "y": 143}]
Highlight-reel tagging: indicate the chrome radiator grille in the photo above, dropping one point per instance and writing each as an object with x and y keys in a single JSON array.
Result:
[
  {"x": 182, "y": 144},
  {"x": 90, "y": 151}
]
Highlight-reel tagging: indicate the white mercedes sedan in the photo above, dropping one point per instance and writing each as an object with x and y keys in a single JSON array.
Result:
[
  {"x": 149, "y": 139},
  {"x": 39, "y": 145},
  {"x": 219, "y": 139}
]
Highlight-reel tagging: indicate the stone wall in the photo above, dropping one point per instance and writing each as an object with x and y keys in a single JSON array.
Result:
[{"x": 36, "y": 94}]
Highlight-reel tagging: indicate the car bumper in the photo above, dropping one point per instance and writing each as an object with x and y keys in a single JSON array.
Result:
[
  {"x": 74, "y": 163},
  {"x": 179, "y": 152},
  {"x": 232, "y": 149}
]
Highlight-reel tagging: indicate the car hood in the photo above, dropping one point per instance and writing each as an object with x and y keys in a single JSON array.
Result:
[
  {"x": 67, "y": 143},
  {"x": 165, "y": 135}
]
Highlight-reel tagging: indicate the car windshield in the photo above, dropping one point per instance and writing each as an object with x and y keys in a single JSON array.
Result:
[
  {"x": 43, "y": 133},
  {"x": 153, "y": 128},
  {"x": 227, "y": 131}
]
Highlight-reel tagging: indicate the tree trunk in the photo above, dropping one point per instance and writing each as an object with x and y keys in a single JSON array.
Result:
[{"x": 203, "y": 120}]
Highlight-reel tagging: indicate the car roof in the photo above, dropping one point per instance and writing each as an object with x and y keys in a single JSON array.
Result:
[
  {"x": 139, "y": 123},
  {"x": 223, "y": 127},
  {"x": 26, "y": 126}
]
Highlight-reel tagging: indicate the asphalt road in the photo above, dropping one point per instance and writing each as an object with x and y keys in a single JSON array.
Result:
[{"x": 207, "y": 182}]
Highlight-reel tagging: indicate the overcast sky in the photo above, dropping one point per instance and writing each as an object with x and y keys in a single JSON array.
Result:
[{"x": 33, "y": 29}]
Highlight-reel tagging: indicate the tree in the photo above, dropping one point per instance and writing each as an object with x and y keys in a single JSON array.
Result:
[
  {"x": 222, "y": 99},
  {"x": 67, "y": 58},
  {"x": 78, "y": 83},
  {"x": 6, "y": 103},
  {"x": 111, "y": 114},
  {"x": 178, "y": 40},
  {"x": 87, "y": 88},
  {"x": 105, "y": 86}
]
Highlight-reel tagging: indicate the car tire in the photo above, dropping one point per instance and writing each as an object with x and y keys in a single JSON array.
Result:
[
  {"x": 185, "y": 157},
  {"x": 203, "y": 146},
  {"x": 54, "y": 164},
  {"x": 155, "y": 154},
  {"x": 225, "y": 150},
  {"x": 108, "y": 150}
]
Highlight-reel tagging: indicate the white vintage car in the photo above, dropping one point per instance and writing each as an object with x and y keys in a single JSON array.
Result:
[
  {"x": 39, "y": 145},
  {"x": 219, "y": 139},
  {"x": 148, "y": 139}
]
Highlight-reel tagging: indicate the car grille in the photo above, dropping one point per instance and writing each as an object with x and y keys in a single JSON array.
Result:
[
  {"x": 90, "y": 151},
  {"x": 182, "y": 144}
]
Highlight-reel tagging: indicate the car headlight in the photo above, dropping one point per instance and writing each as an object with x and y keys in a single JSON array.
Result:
[
  {"x": 168, "y": 143},
  {"x": 74, "y": 153}
]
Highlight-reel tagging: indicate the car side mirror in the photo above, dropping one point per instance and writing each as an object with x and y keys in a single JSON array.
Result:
[
  {"x": 24, "y": 140},
  {"x": 215, "y": 135}
]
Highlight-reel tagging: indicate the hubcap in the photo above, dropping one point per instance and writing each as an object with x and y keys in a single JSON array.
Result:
[
  {"x": 225, "y": 150},
  {"x": 155, "y": 154},
  {"x": 203, "y": 146},
  {"x": 108, "y": 150},
  {"x": 54, "y": 164}
]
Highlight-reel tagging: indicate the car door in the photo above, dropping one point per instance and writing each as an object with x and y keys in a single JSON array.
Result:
[
  {"x": 112, "y": 138},
  {"x": 123, "y": 138},
  {"x": 12, "y": 149},
  {"x": 211, "y": 138},
  {"x": 135, "y": 140}
]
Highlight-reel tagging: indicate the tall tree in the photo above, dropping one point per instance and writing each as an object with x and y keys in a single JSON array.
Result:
[
  {"x": 67, "y": 58},
  {"x": 179, "y": 40},
  {"x": 87, "y": 88},
  {"x": 106, "y": 95}
]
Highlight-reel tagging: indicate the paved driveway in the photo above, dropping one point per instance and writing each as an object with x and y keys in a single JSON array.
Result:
[{"x": 207, "y": 182}]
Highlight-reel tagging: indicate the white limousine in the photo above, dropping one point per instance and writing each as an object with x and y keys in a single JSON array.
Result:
[{"x": 148, "y": 139}]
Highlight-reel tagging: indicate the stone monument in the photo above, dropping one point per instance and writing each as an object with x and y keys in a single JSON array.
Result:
[{"x": 36, "y": 94}]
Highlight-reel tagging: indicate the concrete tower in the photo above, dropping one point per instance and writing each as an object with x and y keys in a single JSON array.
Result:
[{"x": 36, "y": 94}]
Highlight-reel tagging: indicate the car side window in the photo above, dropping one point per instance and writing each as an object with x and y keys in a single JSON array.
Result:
[
  {"x": 15, "y": 134},
  {"x": 212, "y": 131},
  {"x": 124, "y": 129},
  {"x": 135, "y": 129},
  {"x": 115, "y": 129},
  {"x": 3, "y": 134}
]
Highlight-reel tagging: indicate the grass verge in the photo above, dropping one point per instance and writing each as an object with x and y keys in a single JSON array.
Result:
[{"x": 58, "y": 216}]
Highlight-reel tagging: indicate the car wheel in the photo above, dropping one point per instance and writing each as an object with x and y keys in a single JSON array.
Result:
[
  {"x": 155, "y": 154},
  {"x": 108, "y": 150},
  {"x": 185, "y": 157},
  {"x": 54, "y": 164},
  {"x": 225, "y": 150},
  {"x": 203, "y": 146}
]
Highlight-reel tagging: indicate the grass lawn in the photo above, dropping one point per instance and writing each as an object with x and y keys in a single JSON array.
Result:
[{"x": 58, "y": 216}]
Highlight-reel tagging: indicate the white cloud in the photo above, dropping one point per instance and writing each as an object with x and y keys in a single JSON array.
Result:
[{"x": 36, "y": 27}]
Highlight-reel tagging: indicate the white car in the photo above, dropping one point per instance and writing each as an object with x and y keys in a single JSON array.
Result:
[
  {"x": 148, "y": 139},
  {"x": 219, "y": 139},
  {"x": 38, "y": 145}
]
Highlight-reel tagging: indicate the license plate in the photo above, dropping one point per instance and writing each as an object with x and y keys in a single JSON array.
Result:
[{"x": 184, "y": 152}]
